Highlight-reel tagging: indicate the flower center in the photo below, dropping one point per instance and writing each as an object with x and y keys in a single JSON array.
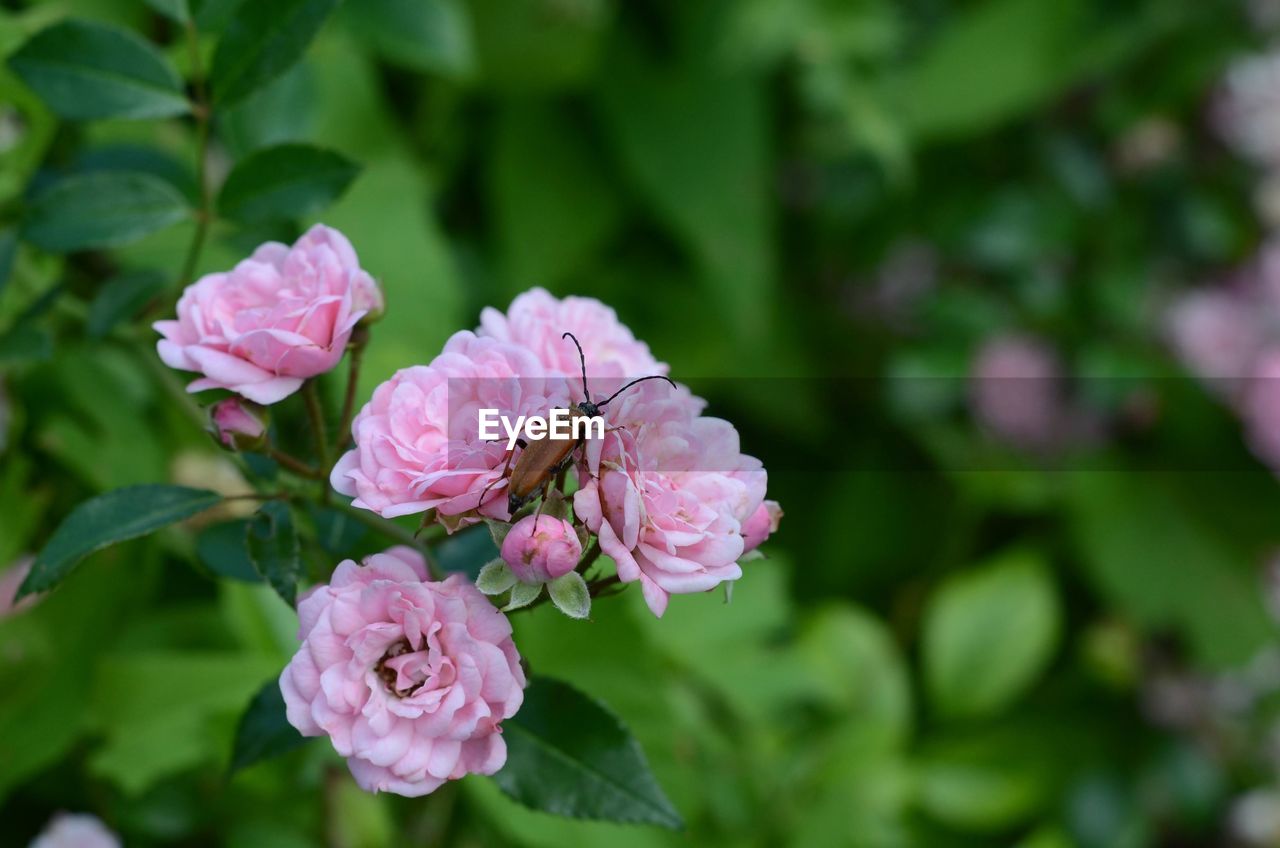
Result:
[{"x": 403, "y": 670}]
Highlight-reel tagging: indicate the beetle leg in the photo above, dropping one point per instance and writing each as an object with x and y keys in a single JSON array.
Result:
[
  {"x": 541, "y": 503},
  {"x": 506, "y": 472}
]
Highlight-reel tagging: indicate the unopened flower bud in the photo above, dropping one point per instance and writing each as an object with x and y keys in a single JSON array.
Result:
[
  {"x": 238, "y": 424},
  {"x": 541, "y": 548},
  {"x": 762, "y": 524}
]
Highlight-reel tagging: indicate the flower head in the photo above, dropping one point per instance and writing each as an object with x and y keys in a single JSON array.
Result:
[
  {"x": 277, "y": 318},
  {"x": 417, "y": 441},
  {"x": 76, "y": 830},
  {"x": 540, "y": 548},
  {"x": 237, "y": 423},
  {"x": 410, "y": 679}
]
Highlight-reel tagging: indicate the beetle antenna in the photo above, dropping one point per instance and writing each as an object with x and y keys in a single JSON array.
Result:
[
  {"x": 632, "y": 383},
  {"x": 582, "y": 357}
]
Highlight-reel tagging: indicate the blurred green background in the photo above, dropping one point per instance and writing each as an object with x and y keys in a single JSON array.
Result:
[{"x": 818, "y": 212}]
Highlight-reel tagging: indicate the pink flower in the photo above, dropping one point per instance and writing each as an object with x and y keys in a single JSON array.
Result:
[
  {"x": 1016, "y": 391},
  {"x": 537, "y": 321},
  {"x": 277, "y": 318},
  {"x": 10, "y": 580},
  {"x": 1260, "y": 408},
  {"x": 78, "y": 830},
  {"x": 541, "y": 548},
  {"x": 762, "y": 524},
  {"x": 668, "y": 495},
  {"x": 238, "y": 424},
  {"x": 417, "y": 441},
  {"x": 1247, "y": 109},
  {"x": 1217, "y": 334},
  {"x": 410, "y": 679}
]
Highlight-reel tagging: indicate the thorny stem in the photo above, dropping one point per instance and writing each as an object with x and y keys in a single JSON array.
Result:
[
  {"x": 359, "y": 338},
  {"x": 201, "y": 111},
  {"x": 318, "y": 431},
  {"x": 294, "y": 464}
]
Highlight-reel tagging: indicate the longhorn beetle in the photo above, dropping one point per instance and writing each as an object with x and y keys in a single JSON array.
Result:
[{"x": 542, "y": 459}]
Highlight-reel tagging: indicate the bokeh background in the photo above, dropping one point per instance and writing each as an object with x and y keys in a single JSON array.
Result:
[{"x": 985, "y": 283}]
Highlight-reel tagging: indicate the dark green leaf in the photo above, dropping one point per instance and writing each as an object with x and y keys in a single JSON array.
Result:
[
  {"x": 263, "y": 41},
  {"x": 428, "y": 35},
  {"x": 223, "y": 551},
  {"x": 286, "y": 182},
  {"x": 988, "y": 633},
  {"x": 110, "y": 518},
  {"x": 25, "y": 343},
  {"x": 264, "y": 730},
  {"x": 467, "y": 552},
  {"x": 102, "y": 210},
  {"x": 272, "y": 543},
  {"x": 568, "y": 755},
  {"x": 120, "y": 298},
  {"x": 336, "y": 531},
  {"x": 86, "y": 70},
  {"x": 177, "y": 10}
]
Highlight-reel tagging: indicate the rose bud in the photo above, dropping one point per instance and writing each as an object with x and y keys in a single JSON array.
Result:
[
  {"x": 541, "y": 548},
  {"x": 762, "y": 524},
  {"x": 238, "y": 425}
]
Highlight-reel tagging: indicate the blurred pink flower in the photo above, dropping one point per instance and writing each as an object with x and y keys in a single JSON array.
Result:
[
  {"x": 76, "y": 830},
  {"x": 417, "y": 442},
  {"x": 762, "y": 524},
  {"x": 1217, "y": 333},
  {"x": 1015, "y": 391},
  {"x": 410, "y": 679},
  {"x": 537, "y": 321},
  {"x": 541, "y": 548},
  {"x": 1260, "y": 408},
  {"x": 10, "y": 579},
  {"x": 277, "y": 318},
  {"x": 668, "y": 495},
  {"x": 237, "y": 423}
]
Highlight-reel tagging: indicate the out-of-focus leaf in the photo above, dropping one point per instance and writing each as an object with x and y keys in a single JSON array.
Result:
[
  {"x": 119, "y": 299},
  {"x": 141, "y": 159},
  {"x": 264, "y": 731},
  {"x": 101, "y": 210},
  {"x": 568, "y": 755},
  {"x": 694, "y": 141},
  {"x": 467, "y": 552},
  {"x": 8, "y": 254},
  {"x": 427, "y": 35},
  {"x": 87, "y": 70},
  {"x": 108, "y": 519},
  {"x": 25, "y": 343},
  {"x": 336, "y": 531},
  {"x": 538, "y": 45},
  {"x": 263, "y": 41},
  {"x": 280, "y": 112},
  {"x": 989, "y": 633},
  {"x": 223, "y": 550},
  {"x": 286, "y": 182},
  {"x": 175, "y": 10},
  {"x": 1152, "y": 553},
  {"x": 552, "y": 195},
  {"x": 272, "y": 543}
]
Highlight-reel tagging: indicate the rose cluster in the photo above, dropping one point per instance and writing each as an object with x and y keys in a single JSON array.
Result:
[{"x": 411, "y": 677}]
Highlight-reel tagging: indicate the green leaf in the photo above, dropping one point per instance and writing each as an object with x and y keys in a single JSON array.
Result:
[
  {"x": 175, "y": 10},
  {"x": 495, "y": 578},
  {"x": 120, "y": 298},
  {"x": 25, "y": 343},
  {"x": 264, "y": 730},
  {"x": 570, "y": 595},
  {"x": 272, "y": 543},
  {"x": 531, "y": 46},
  {"x": 110, "y": 518},
  {"x": 8, "y": 254},
  {"x": 86, "y": 70},
  {"x": 568, "y": 755},
  {"x": 467, "y": 552},
  {"x": 263, "y": 41},
  {"x": 523, "y": 594},
  {"x": 222, "y": 549},
  {"x": 989, "y": 633},
  {"x": 284, "y": 183},
  {"x": 427, "y": 35},
  {"x": 102, "y": 210}
]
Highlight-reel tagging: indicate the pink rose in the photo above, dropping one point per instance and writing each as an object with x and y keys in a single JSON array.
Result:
[
  {"x": 238, "y": 424},
  {"x": 538, "y": 321},
  {"x": 1217, "y": 334},
  {"x": 277, "y": 318},
  {"x": 762, "y": 524},
  {"x": 668, "y": 495},
  {"x": 410, "y": 679},
  {"x": 541, "y": 548},
  {"x": 78, "y": 830},
  {"x": 1016, "y": 391},
  {"x": 417, "y": 441}
]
